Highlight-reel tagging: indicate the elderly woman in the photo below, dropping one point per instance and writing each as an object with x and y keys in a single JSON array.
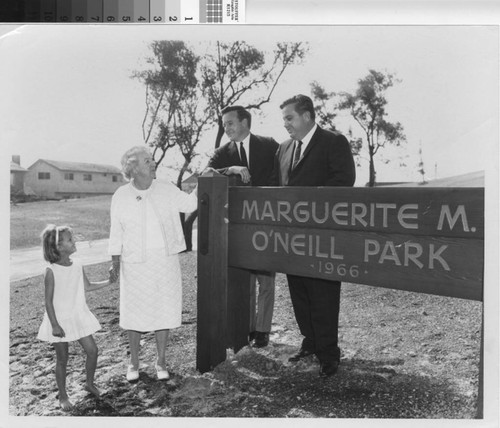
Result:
[{"x": 145, "y": 239}]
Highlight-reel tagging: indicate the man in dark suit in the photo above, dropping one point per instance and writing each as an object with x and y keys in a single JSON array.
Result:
[
  {"x": 252, "y": 158},
  {"x": 313, "y": 157}
]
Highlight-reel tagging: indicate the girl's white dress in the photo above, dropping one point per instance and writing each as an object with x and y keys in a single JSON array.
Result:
[{"x": 70, "y": 306}]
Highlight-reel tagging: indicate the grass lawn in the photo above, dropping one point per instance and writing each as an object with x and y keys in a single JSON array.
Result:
[{"x": 89, "y": 218}]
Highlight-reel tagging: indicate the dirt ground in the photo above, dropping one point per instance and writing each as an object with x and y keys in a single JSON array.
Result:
[{"x": 404, "y": 355}]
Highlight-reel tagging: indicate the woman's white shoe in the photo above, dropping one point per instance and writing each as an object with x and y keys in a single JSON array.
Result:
[
  {"x": 162, "y": 374},
  {"x": 132, "y": 374}
]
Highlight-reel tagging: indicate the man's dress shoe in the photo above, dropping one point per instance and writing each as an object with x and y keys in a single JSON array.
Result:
[
  {"x": 303, "y": 353},
  {"x": 328, "y": 368}
]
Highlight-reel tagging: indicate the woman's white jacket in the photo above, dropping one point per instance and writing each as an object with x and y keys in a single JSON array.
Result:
[{"x": 128, "y": 219}]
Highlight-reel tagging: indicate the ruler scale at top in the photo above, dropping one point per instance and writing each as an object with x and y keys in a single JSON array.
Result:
[
  {"x": 63, "y": 11},
  {"x": 110, "y": 11},
  {"x": 157, "y": 11},
  {"x": 190, "y": 12},
  {"x": 126, "y": 11},
  {"x": 79, "y": 11},
  {"x": 94, "y": 11},
  {"x": 172, "y": 12},
  {"x": 141, "y": 12}
]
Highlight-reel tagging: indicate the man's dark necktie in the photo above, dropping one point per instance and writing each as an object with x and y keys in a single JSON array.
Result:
[
  {"x": 243, "y": 155},
  {"x": 296, "y": 154}
]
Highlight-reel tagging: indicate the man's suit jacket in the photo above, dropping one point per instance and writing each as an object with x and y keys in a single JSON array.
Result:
[
  {"x": 326, "y": 161},
  {"x": 262, "y": 151}
]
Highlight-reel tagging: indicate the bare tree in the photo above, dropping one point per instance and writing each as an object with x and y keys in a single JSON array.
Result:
[
  {"x": 189, "y": 125},
  {"x": 238, "y": 69},
  {"x": 174, "y": 117}
]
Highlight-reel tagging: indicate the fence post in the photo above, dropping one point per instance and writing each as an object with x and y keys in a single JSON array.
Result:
[{"x": 212, "y": 271}]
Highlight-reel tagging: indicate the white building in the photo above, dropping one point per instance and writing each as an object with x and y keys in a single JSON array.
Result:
[
  {"x": 63, "y": 180},
  {"x": 17, "y": 174}
]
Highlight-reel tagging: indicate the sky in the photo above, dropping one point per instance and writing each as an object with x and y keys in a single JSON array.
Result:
[{"x": 67, "y": 93}]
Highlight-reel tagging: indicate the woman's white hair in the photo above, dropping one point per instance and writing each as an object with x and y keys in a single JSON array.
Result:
[{"x": 129, "y": 160}]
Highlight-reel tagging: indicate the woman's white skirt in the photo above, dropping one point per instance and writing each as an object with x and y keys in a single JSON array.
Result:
[{"x": 151, "y": 293}]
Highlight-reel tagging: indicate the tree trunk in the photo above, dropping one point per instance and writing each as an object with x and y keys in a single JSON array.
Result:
[
  {"x": 181, "y": 173},
  {"x": 371, "y": 182},
  {"x": 220, "y": 132},
  {"x": 186, "y": 220},
  {"x": 187, "y": 228}
]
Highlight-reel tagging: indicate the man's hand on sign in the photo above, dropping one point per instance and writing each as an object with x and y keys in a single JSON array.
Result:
[{"x": 242, "y": 171}]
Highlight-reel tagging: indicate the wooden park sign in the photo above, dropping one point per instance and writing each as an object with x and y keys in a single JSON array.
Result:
[
  {"x": 428, "y": 240},
  {"x": 420, "y": 239}
]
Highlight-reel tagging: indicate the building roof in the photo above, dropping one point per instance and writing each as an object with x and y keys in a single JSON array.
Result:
[
  {"x": 14, "y": 167},
  {"x": 192, "y": 179},
  {"x": 81, "y": 167},
  {"x": 471, "y": 179}
]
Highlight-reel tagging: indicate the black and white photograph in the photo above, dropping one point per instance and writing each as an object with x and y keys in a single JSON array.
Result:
[{"x": 250, "y": 223}]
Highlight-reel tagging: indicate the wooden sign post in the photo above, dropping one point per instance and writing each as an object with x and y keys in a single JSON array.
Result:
[
  {"x": 428, "y": 240},
  {"x": 223, "y": 312},
  {"x": 212, "y": 272}
]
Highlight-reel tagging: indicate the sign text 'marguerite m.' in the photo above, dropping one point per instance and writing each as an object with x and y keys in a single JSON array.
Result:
[{"x": 375, "y": 214}]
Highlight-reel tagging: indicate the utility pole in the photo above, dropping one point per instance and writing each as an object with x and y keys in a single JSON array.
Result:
[{"x": 421, "y": 169}]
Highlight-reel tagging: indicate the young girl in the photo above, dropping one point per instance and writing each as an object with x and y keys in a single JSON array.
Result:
[{"x": 67, "y": 316}]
